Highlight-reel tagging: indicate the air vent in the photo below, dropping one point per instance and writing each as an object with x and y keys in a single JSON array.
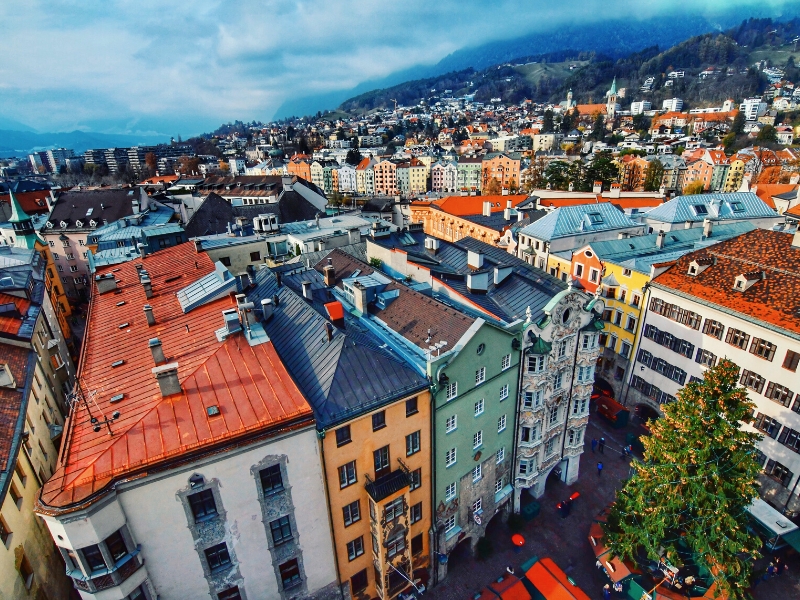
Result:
[
  {"x": 124, "y": 325},
  {"x": 117, "y": 363},
  {"x": 121, "y": 303},
  {"x": 117, "y": 398},
  {"x": 213, "y": 411}
]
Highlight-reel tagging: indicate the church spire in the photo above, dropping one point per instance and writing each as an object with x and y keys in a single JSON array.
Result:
[
  {"x": 613, "y": 90},
  {"x": 22, "y": 224}
]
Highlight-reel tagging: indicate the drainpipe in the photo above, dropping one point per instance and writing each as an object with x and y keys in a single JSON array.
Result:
[
  {"x": 321, "y": 438},
  {"x": 637, "y": 340}
]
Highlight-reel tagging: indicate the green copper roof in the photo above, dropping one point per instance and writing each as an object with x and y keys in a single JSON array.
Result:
[
  {"x": 17, "y": 214},
  {"x": 613, "y": 89},
  {"x": 540, "y": 346},
  {"x": 596, "y": 324}
]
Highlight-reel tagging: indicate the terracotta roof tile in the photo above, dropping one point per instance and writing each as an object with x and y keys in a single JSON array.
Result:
[
  {"x": 11, "y": 399},
  {"x": 774, "y": 300},
  {"x": 11, "y": 323},
  {"x": 249, "y": 384},
  {"x": 460, "y": 206}
]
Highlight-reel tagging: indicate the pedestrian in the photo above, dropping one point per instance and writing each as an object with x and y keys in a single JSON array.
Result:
[
  {"x": 618, "y": 587},
  {"x": 602, "y": 445},
  {"x": 594, "y": 444},
  {"x": 599, "y": 469},
  {"x": 568, "y": 504},
  {"x": 510, "y": 570},
  {"x": 606, "y": 592},
  {"x": 771, "y": 570}
]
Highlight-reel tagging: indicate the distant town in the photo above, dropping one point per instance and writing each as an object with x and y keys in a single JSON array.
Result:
[{"x": 455, "y": 349}]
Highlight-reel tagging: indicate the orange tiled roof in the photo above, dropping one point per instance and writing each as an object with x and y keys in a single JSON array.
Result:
[
  {"x": 249, "y": 384},
  {"x": 160, "y": 179},
  {"x": 33, "y": 203},
  {"x": 461, "y": 206},
  {"x": 766, "y": 191},
  {"x": 11, "y": 324},
  {"x": 774, "y": 300},
  {"x": 591, "y": 109}
]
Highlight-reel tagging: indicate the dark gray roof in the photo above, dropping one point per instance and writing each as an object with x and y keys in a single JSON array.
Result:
[
  {"x": 351, "y": 374},
  {"x": 106, "y": 205},
  {"x": 497, "y": 222},
  {"x": 211, "y": 217},
  {"x": 358, "y": 251},
  {"x": 378, "y": 205}
]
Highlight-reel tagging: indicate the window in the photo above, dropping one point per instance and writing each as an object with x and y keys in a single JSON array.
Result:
[
  {"x": 763, "y": 349},
  {"x": 352, "y": 513},
  {"x": 594, "y": 276},
  {"x": 586, "y": 374},
  {"x": 355, "y": 548},
  {"x": 359, "y": 582},
  {"x": 676, "y": 313},
  {"x": 631, "y": 324},
  {"x": 450, "y": 457},
  {"x": 477, "y": 439},
  {"x": 752, "y": 380},
  {"x": 416, "y": 479},
  {"x": 70, "y": 256},
  {"x": 550, "y": 446},
  {"x": 452, "y": 390},
  {"x": 625, "y": 349},
  {"x": 501, "y": 423},
  {"x": 290, "y": 574},
  {"x": 381, "y": 460},
  {"x": 535, "y": 363},
  {"x": 229, "y": 594},
  {"x": 416, "y": 512},
  {"x": 411, "y": 407},
  {"x": 562, "y": 348},
  {"x": 450, "y": 492},
  {"x": 506, "y": 362},
  {"x": 26, "y": 571},
  {"x": 527, "y": 467},
  {"x": 558, "y": 382},
  {"x": 552, "y": 415},
  {"x": 347, "y": 474},
  {"x": 73, "y": 268},
  {"x": 416, "y": 545},
  {"x": 791, "y": 360},
  {"x": 5, "y": 532},
  {"x": 255, "y": 256},
  {"x": 477, "y": 506},
  {"x": 479, "y": 406},
  {"x": 412, "y": 443},
  {"x": 271, "y": 480},
  {"x": 635, "y": 300},
  {"x": 790, "y": 438},
  {"x": 395, "y": 545},
  {"x": 767, "y": 424},
  {"x": 503, "y": 392},
  {"x": 532, "y": 399},
  {"x": 116, "y": 546},
  {"x": 450, "y": 523},
  {"x": 203, "y": 505},
  {"x": 578, "y": 270},
  {"x": 343, "y": 436},
  {"x": 737, "y": 338},
  {"x": 780, "y": 394},
  {"x": 778, "y": 472},
  {"x": 480, "y": 376},
  {"x": 379, "y": 420},
  {"x": 23, "y": 478},
  {"x": 705, "y": 358},
  {"x": 218, "y": 556},
  {"x": 526, "y": 434},
  {"x": 225, "y": 260},
  {"x": 477, "y": 473},
  {"x": 498, "y": 485},
  {"x": 580, "y": 406},
  {"x": 281, "y": 530},
  {"x": 451, "y": 424}
]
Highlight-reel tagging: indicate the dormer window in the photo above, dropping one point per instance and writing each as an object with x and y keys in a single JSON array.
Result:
[
  {"x": 79, "y": 223},
  {"x": 737, "y": 207},
  {"x": 700, "y": 209},
  {"x": 699, "y": 265},
  {"x": 743, "y": 282},
  {"x": 595, "y": 218},
  {"x": 63, "y": 223}
]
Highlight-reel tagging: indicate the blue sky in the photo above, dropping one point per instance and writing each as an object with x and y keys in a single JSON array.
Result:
[{"x": 185, "y": 67}]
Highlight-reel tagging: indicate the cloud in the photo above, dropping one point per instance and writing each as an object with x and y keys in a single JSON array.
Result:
[{"x": 176, "y": 67}]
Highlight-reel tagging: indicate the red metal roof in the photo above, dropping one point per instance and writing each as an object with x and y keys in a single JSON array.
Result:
[
  {"x": 460, "y": 206},
  {"x": 11, "y": 324},
  {"x": 33, "y": 203},
  {"x": 249, "y": 384}
]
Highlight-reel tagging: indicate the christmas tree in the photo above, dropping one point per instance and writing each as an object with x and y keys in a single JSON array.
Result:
[{"x": 687, "y": 501}]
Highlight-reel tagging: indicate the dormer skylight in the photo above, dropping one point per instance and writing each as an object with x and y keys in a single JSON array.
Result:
[
  {"x": 743, "y": 282},
  {"x": 737, "y": 207},
  {"x": 700, "y": 209},
  {"x": 699, "y": 265},
  {"x": 595, "y": 218}
]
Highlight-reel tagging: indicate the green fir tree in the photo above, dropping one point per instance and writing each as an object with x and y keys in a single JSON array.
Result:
[{"x": 687, "y": 500}]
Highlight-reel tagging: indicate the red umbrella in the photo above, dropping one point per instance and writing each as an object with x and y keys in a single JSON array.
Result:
[{"x": 518, "y": 540}]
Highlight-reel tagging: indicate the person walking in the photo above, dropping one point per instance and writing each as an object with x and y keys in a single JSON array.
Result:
[
  {"x": 594, "y": 445},
  {"x": 599, "y": 469},
  {"x": 606, "y": 592},
  {"x": 778, "y": 565},
  {"x": 771, "y": 570},
  {"x": 602, "y": 445}
]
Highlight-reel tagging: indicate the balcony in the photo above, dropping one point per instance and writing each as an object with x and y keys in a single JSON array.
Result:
[
  {"x": 125, "y": 567},
  {"x": 385, "y": 486}
]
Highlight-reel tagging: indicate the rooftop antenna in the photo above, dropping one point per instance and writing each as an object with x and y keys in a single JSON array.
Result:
[
  {"x": 428, "y": 339},
  {"x": 78, "y": 397}
]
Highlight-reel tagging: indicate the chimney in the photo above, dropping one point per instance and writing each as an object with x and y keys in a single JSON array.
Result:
[
  {"x": 597, "y": 188},
  {"x": 508, "y": 204},
  {"x": 487, "y": 209},
  {"x": 287, "y": 181},
  {"x": 198, "y": 246},
  {"x": 329, "y": 274},
  {"x": 148, "y": 313},
  {"x": 135, "y": 206},
  {"x": 251, "y": 275},
  {"x": 474, "y": 259},
  {"x": 500, "y": 274},
  {"x": 507, "y": 214},
  {"x": 360, "y": 297},
  {"x": 504, "y": 192},
  {"x": 167, "y": 377},
  {"x": 329, "y": 330},
  {"x": 105, "y": 283},
  {"x": 520, "y": 216},
  {"x": 571, "y": 186},
  {"x": 616, "y": 189},
  {"x": 148, "y": 286},
  {"x": 231, "y": 318},
  {"x": 267, "y": 308},
  {"x": 660, "y": 239},
  {"x": 142, "y": 249},
  {"x": 707, "y": 227},
  {"x": 157, "y": 351},
  {"x": 306, "y": 289}
]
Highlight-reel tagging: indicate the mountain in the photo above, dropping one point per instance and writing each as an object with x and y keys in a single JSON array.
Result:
[
  {"x": 614, "y": 38},
  {"x": 548, "y": 77},
  {"x": 15, "y": 142},
  {"x": 7, "y": 123}
]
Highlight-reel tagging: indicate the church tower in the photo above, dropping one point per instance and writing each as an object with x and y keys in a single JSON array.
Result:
[
  {"x": 611, "y": 100},
  {"x": 24, "y": 233}
]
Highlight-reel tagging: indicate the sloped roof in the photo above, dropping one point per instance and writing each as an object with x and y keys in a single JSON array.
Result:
[
  {"x": 717, "y": 206},
  {"x": 20, "y": 362},
  {"x": 774, "y": 300},
  {"x": 351, "y": 373},
  {"x": 249, "y": 384},
  {"x": 106, "y": 205},
  {"x": 473, "y": 205},
  {"x": 572, "y": 220}
]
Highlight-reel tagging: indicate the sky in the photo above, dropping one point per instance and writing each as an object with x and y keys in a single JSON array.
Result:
[{"x": 170, "y": 68}]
